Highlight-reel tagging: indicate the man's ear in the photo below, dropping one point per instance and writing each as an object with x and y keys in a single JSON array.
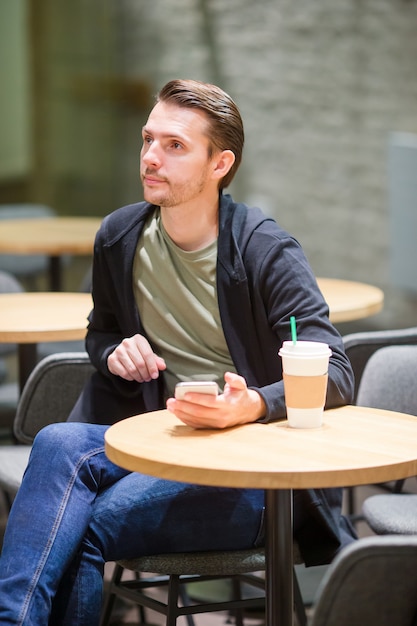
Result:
[{"x": 223, "y": 161}]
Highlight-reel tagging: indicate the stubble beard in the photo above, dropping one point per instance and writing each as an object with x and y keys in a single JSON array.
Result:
[{"x": 181, "y": 194}]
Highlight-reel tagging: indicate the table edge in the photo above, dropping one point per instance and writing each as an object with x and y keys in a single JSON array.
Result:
[{"x": 340, "y": 477}]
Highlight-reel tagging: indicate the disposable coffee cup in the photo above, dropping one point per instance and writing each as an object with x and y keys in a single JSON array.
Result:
[{"x": 305, "y": 367}]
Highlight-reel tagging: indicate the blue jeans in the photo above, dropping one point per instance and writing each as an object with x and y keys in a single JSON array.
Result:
[{"x": 75, "y": 510}]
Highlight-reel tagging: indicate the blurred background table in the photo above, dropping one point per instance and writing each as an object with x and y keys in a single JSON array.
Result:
[
  {"x": 28, "y": 318},
  {"x": 349, "y": 300},
  {"x": 54, "y": 236}
]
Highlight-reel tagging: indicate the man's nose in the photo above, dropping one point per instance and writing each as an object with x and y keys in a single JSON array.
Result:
[{"x": 151, "y": 155}]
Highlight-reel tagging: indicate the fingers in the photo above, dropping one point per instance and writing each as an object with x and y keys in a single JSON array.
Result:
[
  {"x": 234, "y": 382},
  {"x": 197, "y": 410},
  {"x": 134, "y": 359},
  {"x": 236, "y": 405}
]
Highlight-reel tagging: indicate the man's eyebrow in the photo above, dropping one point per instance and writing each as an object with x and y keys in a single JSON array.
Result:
[{"x": 175, "y": 136}]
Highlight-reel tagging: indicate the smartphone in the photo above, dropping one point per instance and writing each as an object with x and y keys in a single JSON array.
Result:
[{"x": 197, "y": 386}]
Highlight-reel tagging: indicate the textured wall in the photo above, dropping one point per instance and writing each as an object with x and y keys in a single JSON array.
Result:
[{"x": 321, "y": 85}]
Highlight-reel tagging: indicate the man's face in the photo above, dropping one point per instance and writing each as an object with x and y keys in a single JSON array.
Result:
[{"x": 175, "y": 167}]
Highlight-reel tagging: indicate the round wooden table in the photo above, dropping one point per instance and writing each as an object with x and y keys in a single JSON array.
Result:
[
  {"x": 54, "y": 236},
  {"x": 27, "y": 318},
  {"x": 354, "y": 446},
  {"x": 349, "y": 300}
]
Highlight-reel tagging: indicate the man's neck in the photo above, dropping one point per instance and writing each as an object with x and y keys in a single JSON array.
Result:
[{"x": 191, "y": 228}]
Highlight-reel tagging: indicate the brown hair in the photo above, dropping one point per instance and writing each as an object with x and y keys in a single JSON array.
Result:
[{"x": 225, "y": 130}]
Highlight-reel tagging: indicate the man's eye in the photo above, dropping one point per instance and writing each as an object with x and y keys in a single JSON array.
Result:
[
  {"x": 176, "y": 145},
  {"x": 147, "y": 139}
]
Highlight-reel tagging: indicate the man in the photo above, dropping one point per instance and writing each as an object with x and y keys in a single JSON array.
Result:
[{"x": 187, "y": 285}]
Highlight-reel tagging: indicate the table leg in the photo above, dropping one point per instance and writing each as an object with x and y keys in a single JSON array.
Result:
[
  {"x": 55, "y": 278},
  {"x": 279, "y": 558},
  {"x": 27, "y": 355}
]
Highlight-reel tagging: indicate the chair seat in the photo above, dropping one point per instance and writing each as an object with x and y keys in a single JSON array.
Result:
[
  {"x": 203, "y": 563},
  {"x": 391, "y": 514},
  {"x": 213, "y": 563}
]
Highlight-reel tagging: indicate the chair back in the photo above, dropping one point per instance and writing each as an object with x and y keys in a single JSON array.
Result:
[
  {"x": 8, "y": 284},
  {"x": 372, "y": 582},
  {"x": 389, "y": 380},
  {"x": 361, "y": 346},
  {"x": 51, "y": 392}
]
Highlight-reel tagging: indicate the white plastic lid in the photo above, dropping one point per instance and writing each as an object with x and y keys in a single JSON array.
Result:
[{"x": 304, "y": 349}]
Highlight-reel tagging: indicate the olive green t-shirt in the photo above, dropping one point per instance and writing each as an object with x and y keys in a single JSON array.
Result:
[{"x": 176, "y": 295}]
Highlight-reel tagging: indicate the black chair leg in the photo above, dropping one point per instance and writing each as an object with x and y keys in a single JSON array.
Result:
[
  {"x": 173, "y": 595},
  {"x": 237, "y": 595},
  {"x": 185, "y": 599},
  {"x": 141, "y": 609},
  {"x": 111, "y": 597},
  {"x": 176, "y": 592}
]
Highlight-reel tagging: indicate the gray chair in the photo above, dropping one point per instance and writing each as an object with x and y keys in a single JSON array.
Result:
[
  {"x": 9, "y": 397},
  {"x": 372, "y": 582},
  {"x": 391, "y": 514},
  {"x": 25, "y": 267},
  {"x": 177, "y": 573},
  {"x": 359, "y": 348},
  {"x": 389, "y": 381},
  {"x": 8, "y": 389},
  {"x": 8, "y": 284},
  {"x": 3, "y": 371},
  {"x": 49, "y": 395}
]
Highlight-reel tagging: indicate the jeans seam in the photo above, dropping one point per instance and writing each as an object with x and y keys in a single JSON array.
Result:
[{"x": 45, "y": 554}]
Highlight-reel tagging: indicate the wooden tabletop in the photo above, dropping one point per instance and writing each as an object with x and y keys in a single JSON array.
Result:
[
  {"x": 49, "y": 235},
  {"x": 349, "y": 300},
  {"x": 43, "y": 316},
  {"x": 354, "y": 446}
]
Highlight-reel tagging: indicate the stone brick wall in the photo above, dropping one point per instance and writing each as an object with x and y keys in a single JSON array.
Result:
[{"x": 321, "y": 85}]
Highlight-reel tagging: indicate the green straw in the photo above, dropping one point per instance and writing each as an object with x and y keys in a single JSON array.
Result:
[{"x": 293, "y": 329}]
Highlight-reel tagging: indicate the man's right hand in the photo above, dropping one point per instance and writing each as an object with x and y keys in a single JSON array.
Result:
[{"x": 134, "y": 359}]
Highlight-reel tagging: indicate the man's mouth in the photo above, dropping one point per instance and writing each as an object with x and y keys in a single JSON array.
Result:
[{"x": 152, "y": 180}]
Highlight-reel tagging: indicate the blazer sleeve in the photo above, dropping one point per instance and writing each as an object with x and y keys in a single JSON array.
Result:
[{"x": 103, "y": 331}]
